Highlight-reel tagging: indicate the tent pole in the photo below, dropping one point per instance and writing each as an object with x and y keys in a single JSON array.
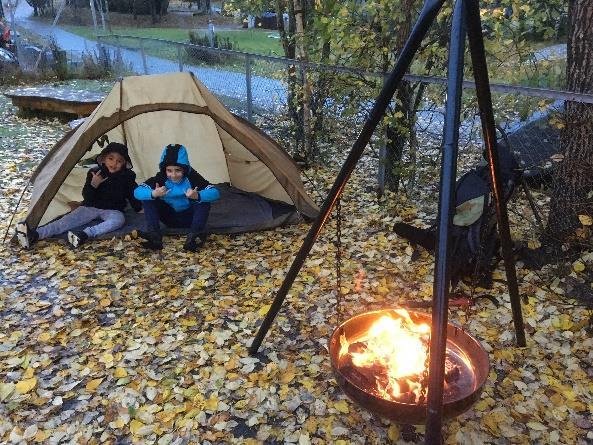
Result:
[
  {"x": 427, "y": 16},
  {"x": 15, "y": 210}
]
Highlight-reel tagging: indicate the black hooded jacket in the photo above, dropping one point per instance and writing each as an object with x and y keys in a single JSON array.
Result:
[{"x": 112, "y": 193}]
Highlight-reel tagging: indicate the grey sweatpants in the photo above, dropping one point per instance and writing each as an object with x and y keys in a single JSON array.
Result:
[{"x": 112, "y": 220}]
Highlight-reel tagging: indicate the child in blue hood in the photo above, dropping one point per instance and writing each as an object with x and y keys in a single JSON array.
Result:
[{"x": 179, "y": 197}]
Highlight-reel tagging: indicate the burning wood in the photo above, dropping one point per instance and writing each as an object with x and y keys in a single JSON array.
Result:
[{"x": 390, "y": 360}]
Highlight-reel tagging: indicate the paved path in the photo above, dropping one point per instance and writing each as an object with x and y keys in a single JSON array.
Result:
[{"x": 267, "y": 93}]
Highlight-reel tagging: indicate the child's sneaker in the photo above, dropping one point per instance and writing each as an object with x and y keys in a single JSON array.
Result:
[
  {"x": 194, "y": 241},
  {"x": 154, "y": 240},
  {"x": 26, "y": 236},
  {"x": 77, "y": 238}
]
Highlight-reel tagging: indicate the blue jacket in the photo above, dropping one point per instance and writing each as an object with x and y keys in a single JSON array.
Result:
[{"x": 175, "y": 154}]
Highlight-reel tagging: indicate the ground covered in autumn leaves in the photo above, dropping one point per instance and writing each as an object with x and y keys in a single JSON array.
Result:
[{"x": 110, "y": 344}]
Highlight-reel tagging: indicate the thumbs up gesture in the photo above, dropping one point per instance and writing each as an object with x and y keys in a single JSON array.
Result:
[
  {"x": 159, "y": 191},
  {"x": 192, "y": 193}
]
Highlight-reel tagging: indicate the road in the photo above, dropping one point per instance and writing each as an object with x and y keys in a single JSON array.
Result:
[{"x": 230, "y": 86}]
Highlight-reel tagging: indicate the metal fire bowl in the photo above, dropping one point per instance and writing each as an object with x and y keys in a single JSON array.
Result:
[{"x": 408, "y": 413}]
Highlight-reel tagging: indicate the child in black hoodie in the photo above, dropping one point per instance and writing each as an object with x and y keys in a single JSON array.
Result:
[{"x": 105, "y": 192}]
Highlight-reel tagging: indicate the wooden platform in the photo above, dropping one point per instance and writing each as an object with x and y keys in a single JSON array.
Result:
[{"x": 56, "y": 100}]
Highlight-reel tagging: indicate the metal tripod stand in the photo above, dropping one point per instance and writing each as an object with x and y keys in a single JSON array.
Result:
[{"x": 466, "y": 20}]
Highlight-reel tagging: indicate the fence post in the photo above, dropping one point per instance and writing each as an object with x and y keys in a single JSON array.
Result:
[
  {"x": 179, "y": 58},
  {"x": 248, "y": 87},
  {"x": 143, "y": 54}
]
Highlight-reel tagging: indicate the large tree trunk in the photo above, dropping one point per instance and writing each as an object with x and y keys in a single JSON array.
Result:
[
  {"x": 398, "y": 132},
  {"x": 574, "y": 179}
]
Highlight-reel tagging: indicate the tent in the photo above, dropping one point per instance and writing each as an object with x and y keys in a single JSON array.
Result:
[{"x": 260, "y": 184}]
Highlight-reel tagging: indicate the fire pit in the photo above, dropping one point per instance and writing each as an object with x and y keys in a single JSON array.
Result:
[{"x": 380, "y": 361}]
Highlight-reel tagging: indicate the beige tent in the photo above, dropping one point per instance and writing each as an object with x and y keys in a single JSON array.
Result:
[{"x": 147, "y": 113}]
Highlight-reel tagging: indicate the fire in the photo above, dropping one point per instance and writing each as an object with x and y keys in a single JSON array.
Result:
[{"x": 394, "y": 352}]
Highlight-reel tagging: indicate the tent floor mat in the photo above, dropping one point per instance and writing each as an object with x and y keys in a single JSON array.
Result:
[{"x": 235, "y": 212}]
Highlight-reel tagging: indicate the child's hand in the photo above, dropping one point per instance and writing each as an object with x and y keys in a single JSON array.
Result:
[
  {"x": 192, "y": 193},
  {"x": 159, "y": 192},
  {"x": 97, "y": 179}
]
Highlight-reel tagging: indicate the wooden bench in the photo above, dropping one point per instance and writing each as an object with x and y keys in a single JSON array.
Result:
[{"x": 56, "y": 100}]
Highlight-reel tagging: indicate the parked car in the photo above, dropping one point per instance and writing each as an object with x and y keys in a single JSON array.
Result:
[
  {"x": 6, "y": 41},
  {"x": 7, "y": 59}
]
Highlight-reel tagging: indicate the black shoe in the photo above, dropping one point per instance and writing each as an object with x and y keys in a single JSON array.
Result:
[
  {"x": 154, "y": 240},
  {"x": 77, "y": 238},
  {"x": 26, "y": 236},
  {"x": 194, "y": 241}
]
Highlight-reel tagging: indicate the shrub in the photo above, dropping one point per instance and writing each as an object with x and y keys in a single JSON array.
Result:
[
  {"x": 197, "y": 54},
  {"x": 60, "y": 65}
]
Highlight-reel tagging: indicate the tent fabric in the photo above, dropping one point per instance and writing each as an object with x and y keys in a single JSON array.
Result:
[{"x": 148, "y": 112}]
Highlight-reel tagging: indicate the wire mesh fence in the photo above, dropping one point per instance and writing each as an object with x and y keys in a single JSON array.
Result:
[{"x": 269, "y": 91}]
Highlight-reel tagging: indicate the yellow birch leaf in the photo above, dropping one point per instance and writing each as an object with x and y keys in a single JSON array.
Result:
[
  {"x": 135, "y": 426},
  {"x": 585, "y": 220},
  {"x": 393, "y": 433},
  {"x": 119, "y": 423},
  {"x": 105, "y": 302},
  {"x": 264, "y": 310},
  {"x": 491, "y": 424},
  {"x": 106, "y": 358},
  {"x": 29, "y": 372},
  {"x": 44, "y": 336},
  {"x": 93, "y": 384},
  {"x": 119, "y": 373},
  {"x": 287, "y": 376},
  {"x": 578, "y": 266},
  {"x": 24, "y": 386},
  {"x": 40, "y": 436},
  {"x": 212, "y": 403},
  {"x": 188, "y": 322},
  {"x": 342, "y": 406}
]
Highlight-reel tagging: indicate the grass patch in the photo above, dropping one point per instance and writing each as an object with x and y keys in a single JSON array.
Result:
[{"x": 255, "y": 41}]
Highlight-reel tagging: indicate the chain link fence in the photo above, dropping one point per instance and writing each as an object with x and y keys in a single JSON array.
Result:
[{"x": 259, "y": 88}]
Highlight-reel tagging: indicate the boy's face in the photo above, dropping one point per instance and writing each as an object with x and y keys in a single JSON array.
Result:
[
  {"x": 114, "y": 162},
  {"x": 174, "y": 173}
]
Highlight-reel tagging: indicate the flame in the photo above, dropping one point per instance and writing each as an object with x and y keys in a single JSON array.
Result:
[{"x": 397, "y": 345}]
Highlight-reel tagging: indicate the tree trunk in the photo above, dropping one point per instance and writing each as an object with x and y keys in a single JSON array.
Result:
[
  {"x": 305, "y": 96},
  {"x": 573, "y": 183},
  {"x": 398, "y": 132}
]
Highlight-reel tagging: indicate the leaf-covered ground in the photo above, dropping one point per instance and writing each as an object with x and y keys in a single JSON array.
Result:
[{"x": 110, "y": 344}]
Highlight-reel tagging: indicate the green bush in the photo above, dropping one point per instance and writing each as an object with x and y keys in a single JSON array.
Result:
[
  {"x": 60, "y": 65},
  {"x": 202, "y": 55}
]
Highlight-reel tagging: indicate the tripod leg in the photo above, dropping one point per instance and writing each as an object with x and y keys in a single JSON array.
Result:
[
  {"x": 427, "y": 16},
  {"x": 440, "y": 303},
  {"x": 478, "y": 57}
]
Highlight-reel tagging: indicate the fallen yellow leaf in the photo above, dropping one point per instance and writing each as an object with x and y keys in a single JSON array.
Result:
[
  {"x": 578, "y": 266},
  {"x": 119, "y": 373},
  {"x": 585, "y": 220},
  {"x": 44, "y": 336},
  {"x": 212, "y": 403},
  {"x": 135, "y": 426},
  {"x": 393, "y": 433},
  {"x": 263, "y": 310},
  {"x": 342, "y": 406},
  {"x": 93, "y": 384},
  {"x": 24, "y": 386}
]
